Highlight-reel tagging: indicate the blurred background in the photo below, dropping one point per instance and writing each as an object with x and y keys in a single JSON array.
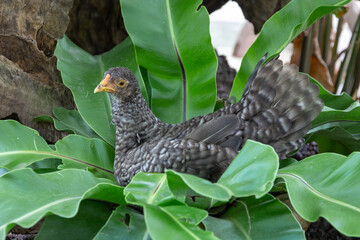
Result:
[{"x": 328, "y": 50}]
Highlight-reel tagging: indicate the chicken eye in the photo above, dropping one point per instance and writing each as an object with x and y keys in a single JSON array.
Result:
[{"x": 122, "y": 83}]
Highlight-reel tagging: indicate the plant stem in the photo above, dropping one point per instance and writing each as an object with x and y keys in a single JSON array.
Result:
[{"x": 345, "y": 75}]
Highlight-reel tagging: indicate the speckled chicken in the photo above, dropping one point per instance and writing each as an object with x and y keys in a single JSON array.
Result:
[{"x": 277, "y": 108}]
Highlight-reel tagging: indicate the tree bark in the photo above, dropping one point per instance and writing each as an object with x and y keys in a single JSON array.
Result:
[
  {"x": 96, "y": 25},
  {"x": 30, "y": 84},
  {"x": 258, "y": 11}
]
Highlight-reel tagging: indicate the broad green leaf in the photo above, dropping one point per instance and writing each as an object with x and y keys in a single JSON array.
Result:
[
  {"x": 93, "y": 154},
  {"x": 339, "y": 102},
  {"x": 192, "y": 215},
  {"x": 90, "y": 218},
  {"x": 149, "y": 188},
  {"x": 112, "y": 193},
  {"x": 201, "y": 186},
  {"x": 3, "y": 171},
  {"x": 353, "y": 127},
  {"x": 26, "y": 197},
  {"x": 250, "y": 218},
  {"x": 279, "y": 31},
  {"x": 330, "y": 182},
  {"x": 242, "y": 178},
  {"x": 69, "y": 121},
  {"x": 286, "y": 162},
  {"x": 50, "y": 164},
  {"x": 352, "y": 113},
  {"x": 337, "y": 127},
  {"x": 124, "y": 223},
  {"x": 183, "y": 193},
  {"x": 162, "y": 224},
  {"x": 175, "y": 46},
  {"x": 82, "y": 72},
  {"x": 21, "y": 145},
  {"x": 335, "y": 139}
]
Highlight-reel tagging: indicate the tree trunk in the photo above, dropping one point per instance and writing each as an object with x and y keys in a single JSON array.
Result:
[{"x": 30, "y": 84}]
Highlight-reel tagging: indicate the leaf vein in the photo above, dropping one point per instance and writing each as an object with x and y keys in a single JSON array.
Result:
[{"x": 321, "y": 195}]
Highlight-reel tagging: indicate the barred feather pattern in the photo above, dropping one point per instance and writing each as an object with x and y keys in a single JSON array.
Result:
[
  {"x": 276, "y": 108},
  {"x": 279, "y": 107},
  {"x": 183, "y": 155}
]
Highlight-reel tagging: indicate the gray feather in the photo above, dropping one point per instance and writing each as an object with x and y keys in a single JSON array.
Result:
[
  {"x": 232, "y": 142},
  {"x": 216, "y": 130},
  {"x": 255, "y": 72},
  {"x": 278, "y": 106}
]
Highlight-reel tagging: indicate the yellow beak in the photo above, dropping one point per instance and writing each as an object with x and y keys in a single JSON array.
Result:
[{"x": 105, "y": 85}]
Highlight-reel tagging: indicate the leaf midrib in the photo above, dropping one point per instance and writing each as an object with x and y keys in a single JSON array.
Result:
[
  {"x": 317, "y": 193},
  {"x": 180, "y": 224},
  {"x": 54, "y": 154},
  {"x": 158, "y": 187},
  {"x": 17, "y": 220},
  {"x": 173, "y": 38}
]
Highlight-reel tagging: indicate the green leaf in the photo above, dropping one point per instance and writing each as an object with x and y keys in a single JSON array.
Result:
[
  {"x": 93, "y": 154},
  {"x": 250, "y": 218},
  {"x": 44, "y": 118},
  {"x": 108, "y": 192},
  {"x": 242, "y": 178},
  {"x": 330, "y": 183},
  {"x": 162, "y": 224},
  {"x": 90, "y": 218},
  {"x": 124, "y": 223},
  {"x": 26, "y": 197},
  {"x": 339, "y": 102},
  {"x": 175, "y": 46},
  {"x": 337, "y": 140},
  {"x": 286, "y": 162},
  {"x": 183, "y": 193},
  {"x": 20, "y": 145},
  {"x": 149, "y": 188},
  {"x": 50, "y": 164},
  {"x": 82, "y": 72},
  {"x": 353, "y": 127},
  {"x": 352, "y": 113},
  {"x": 69, "y": 121},
  {"x": 192, "y": 215},
  {"x": 201, "y": 186},
  {"x": 337, "y": 129},
  {"x": 279, "y": 31},
  {"x": 3, "y": 171}
]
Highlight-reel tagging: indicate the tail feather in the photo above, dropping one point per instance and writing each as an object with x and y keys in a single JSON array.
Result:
[{"x": 278, "y": 106}]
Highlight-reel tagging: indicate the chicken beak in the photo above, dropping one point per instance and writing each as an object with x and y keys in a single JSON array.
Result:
[{"x": 105, "y": 85}]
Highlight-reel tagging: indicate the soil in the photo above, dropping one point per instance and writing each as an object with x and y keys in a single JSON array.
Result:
[
  {"x": 322, "y": 230},
  {"x": 14, "y": 236}
]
